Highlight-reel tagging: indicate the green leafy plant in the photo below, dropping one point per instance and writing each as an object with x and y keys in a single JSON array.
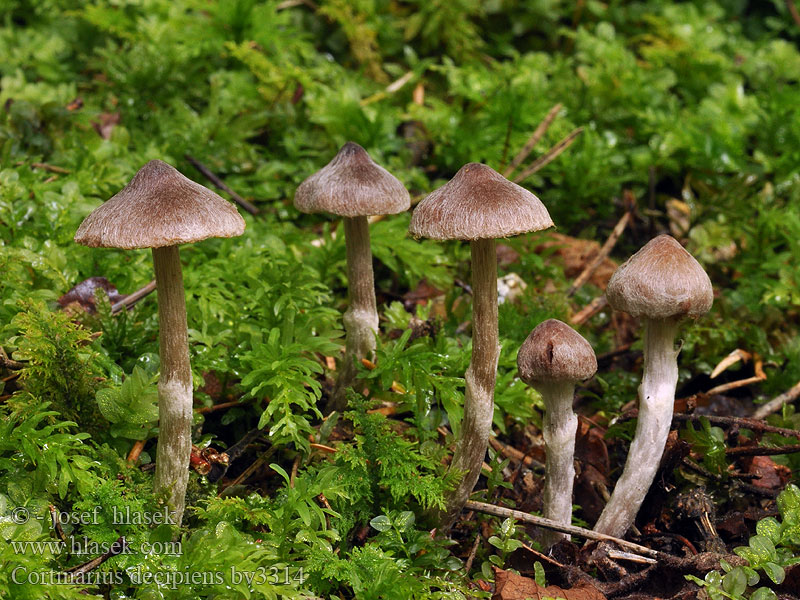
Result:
[{"x": 774, "y": 547}]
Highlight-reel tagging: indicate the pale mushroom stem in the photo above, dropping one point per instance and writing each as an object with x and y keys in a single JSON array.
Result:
[
  {"x": 480, "y": 377},
  {"x": 656, "y": 400},
  {"x": 361, "y": 317},
  {"x": 174, "y": 385},
  {"x": 558, "y": 429}
]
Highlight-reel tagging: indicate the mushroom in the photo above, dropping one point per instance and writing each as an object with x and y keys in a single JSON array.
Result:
[
  {"x": 161, "y": 209},
  {"x": 553, "y": 358},
  {"x": 478, "y": 204},
  {"x": 662, "y": 284},
  {"x": 353, "y": 186}
]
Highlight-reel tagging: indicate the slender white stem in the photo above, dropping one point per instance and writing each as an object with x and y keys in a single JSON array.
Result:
[
  {"x": 174, "y": 384},
  {"x": 559, "y": 427},
  {"x": 480, "y": 377},
  {"x": 656, "y": 399}
]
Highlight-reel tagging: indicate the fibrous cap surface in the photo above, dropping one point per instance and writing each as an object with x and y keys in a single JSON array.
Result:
[
  {"x": 352, "y": 185},
  {"x": 159, "y": 207},
  {"x": 554, "y": 351},
  {"x": 660, "y": 281},
  {"x": 478, "y": 203}
]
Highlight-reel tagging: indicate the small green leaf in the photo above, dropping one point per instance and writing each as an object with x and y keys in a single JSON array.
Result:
[{"x": 381, "y": 523}]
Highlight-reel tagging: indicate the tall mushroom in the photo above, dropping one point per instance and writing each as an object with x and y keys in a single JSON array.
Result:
[
  {"x": 478, "y": 204},
  {"x": 353, "y": 186},
  {"x": 662, "y": 284},
  {"x": 552, "y": 359},
  {"x": 161, "y": 209}
]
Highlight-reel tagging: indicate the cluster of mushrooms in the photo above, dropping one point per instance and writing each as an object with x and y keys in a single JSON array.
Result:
[{"x": 661, "y": 284}]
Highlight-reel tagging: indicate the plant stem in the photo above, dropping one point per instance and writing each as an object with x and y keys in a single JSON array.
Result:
[
  {"x": 656, "y": 399},
  {"x": 175, "y": 383},
  {"x": 480, "y": 377},
  {"x": 361, "y": 316},
  {"x": 559, "y": 427}
]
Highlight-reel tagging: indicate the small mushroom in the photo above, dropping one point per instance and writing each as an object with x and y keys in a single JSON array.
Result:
[
  {"x": 353, "y": 186},
  {"x": 662, "y": 284},
  {"x": 161, "y": 209},
  {"x": 553, "y": 359},
  {"x": 478, "y": 204}
]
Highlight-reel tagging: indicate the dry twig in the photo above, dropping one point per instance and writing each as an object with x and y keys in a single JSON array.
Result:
[
  {"x": 499, "y": 511},
  {"x": 607, "y": 247},
  {"x": 221, "y": 185},
  {"x": 536, "y": 136}
]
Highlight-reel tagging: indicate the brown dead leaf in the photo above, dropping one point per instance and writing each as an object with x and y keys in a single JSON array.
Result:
[
  {"x": 510, "y": 586},
  {"x": 771, "y": 476},
  {"x": 105, "y": 124},
  {"x": 82, "y": 295},
  {"x": 577, "y": 254}
]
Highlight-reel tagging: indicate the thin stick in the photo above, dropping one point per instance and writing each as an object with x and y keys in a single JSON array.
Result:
[
  {"x": 133, "y": 298},
  {"x": 221, "y": 185},
  {"x": 762, "y": 451},
  {"x": 221, "y": 406},
  {"x": 617, "y": 555},
  {"x": 133, "y": 455},
  {"x": 590, "y": 310},
  {"x": 56, "y": 521},
  {"x": 390, "y": 89},
  {"x": 729, "y": 360},
  {"x": 551, "y": 155},
  {"x": 249, "y": 470},
  {"x": 116, "y": 548},
  {"x": 473, "y": 551},
  {"x": 793, "y": 11},
  {"x": 8, "y": 363},
  {"x": 543, "y": 557},
  {"x": 777, "y": 403},
  {"x": 536, "y": 136},
  {"x": 741, "y": 422},
  {"x": 499, "y": 511},
  {"x": 51, "y": 168},
  {"x": 514, "y": 454},
  {"x": 602, "y": 254}
]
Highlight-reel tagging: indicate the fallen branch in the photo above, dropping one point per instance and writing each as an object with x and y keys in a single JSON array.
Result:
[
  {"x": 762, "y": 450},
  {"x": 606, "y": 249},
  {"x": 133, "y": 298},
  {"x": 8, "y": 363},
  {"x": 741, "y": 422},
  {"x": 536, "y": 136},
  {"x": 221, "y": 185},
  {"x": 549, "y": 156},
  {"x": 116, "y": 548},
  {"x": 499, "y": 511},
  {"x": 590, "y": 310},
  {"x": 777, "y": 403}
]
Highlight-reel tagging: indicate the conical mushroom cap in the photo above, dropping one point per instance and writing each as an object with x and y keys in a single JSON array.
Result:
[
  {"x": 554, "y": 351},
  {"x": 352, "y": 185},
  {"x": 661, "y": 280},
  {"x": 159, "y": 207},
  {"x": 478, "y": 203}
]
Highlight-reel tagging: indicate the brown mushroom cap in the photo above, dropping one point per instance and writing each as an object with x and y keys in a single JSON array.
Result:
[
  {"x": 352, "y": 185},
  {"x": 478, "y": 203},
  {"x": 159, "y": 207},
  {"x": 554, "y": 351},
  {"x": 661, "y": 280}
]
